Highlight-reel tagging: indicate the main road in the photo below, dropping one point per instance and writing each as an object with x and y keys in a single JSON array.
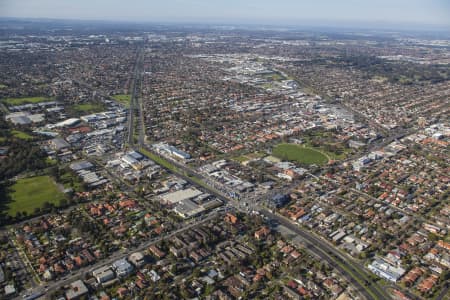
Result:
[
  {"x": 357, "y": 276},
  {"x": 354, "y": 273},
  {"x": 135, "y": 105}
]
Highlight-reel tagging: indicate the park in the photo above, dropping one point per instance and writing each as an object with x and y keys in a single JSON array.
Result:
[
  {"x": 300, "y": 154},
  {"x": 28, "y": 194}
]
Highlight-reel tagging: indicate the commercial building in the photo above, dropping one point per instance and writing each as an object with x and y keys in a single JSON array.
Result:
[
  {"x": 81, "y": 165},
  {"x": 68, "y": 123},
  {"x": 178, "y": 196},
  {"x": 385, "y": 270},
  {"x": 59, "y": 144},
  {"x": 279, "y": 200},
  {"x": 122, "y": 267},
  {"x": 137, "y": 259},
  {"x": 10, "y": 290},
  {"x": 103, "y": 274},
  {"x": 188, "y": 208},
  {"x": 24, "y": 118},
  {"x": 77, "y": 290},
  {"x": 166, "y": 149}
]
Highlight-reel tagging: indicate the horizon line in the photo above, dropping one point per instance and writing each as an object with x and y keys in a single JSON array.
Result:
[{"x": 315, "y": 23}]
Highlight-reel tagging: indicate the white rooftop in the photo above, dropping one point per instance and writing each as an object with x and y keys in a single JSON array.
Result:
[{"x": 181, "y": 195}]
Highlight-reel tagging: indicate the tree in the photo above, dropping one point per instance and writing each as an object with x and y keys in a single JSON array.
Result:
[{"x": 63, "y": 202}]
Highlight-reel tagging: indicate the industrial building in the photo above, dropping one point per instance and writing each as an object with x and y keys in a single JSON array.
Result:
[{"x": 178, "y": 196}]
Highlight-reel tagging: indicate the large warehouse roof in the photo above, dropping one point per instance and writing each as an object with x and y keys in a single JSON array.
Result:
[{"x": 175, "y": 197}]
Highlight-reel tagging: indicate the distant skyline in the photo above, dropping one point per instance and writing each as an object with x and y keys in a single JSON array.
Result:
[{"x": 400, "y": 13}]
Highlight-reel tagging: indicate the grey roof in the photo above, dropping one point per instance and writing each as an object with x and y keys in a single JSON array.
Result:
[
  {"x": 77, "y": 289},
  {"x": 21, "y": 120},
  {"x": 188, "y": 208},
  {"x": 135, "y": 155},
  {"x": 81, "y": 165},
  {"x": 181, "y": 195},
  {"x": 59, "y": 143}
]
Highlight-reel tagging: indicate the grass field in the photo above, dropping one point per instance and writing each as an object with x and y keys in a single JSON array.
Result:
[
  {"x": 30, "y": 193},
  {"x": 2, "y": 86},
  {"x": 274, "y": 77},
  {"x": 123, "y": 99},
  {"x": 300, "y": 154},
  {"x": 88, "y": 107},
  {"x": 249, "y": 156},
  {"x": 51, "y": 162},
  {"x": 71, "y": 181},
  {"x": 328, "y": 140},
  {"x": 21, "y": 135},
  {"x": 159, "y": 160},
  {"x": 240, "y": 159},
  {"x": 19, "y": 101}
]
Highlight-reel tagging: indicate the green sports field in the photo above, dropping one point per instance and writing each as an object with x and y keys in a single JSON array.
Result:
[
  {"x": 293, "y": 152},
  {"x": 21, "y": 135},
  {"x": 30, "y": 193},
  {"x": 25, "y": 100},
  {"x": 88, "y": 108}
]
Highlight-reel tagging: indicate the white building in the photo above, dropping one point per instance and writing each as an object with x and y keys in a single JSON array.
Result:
[
  {"x": 178, "y": 196},
  {"x": 122, "y": 267},
  {"x": 385, "y": 270}
]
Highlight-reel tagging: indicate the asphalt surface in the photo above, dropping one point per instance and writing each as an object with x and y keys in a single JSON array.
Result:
[
  {"x": 324, "y": 251},
  {"x": 354, "y": 273},
  {"x": 135, "y": 107}
]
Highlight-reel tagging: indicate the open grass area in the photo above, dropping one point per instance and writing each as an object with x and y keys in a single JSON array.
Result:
[
  {"x": 340, "y": 150},
  {"x": 123, "y": 99},
  {"x": 299, "y": 154},
  {"x": 21, "y": 135},
  {"x": 30, "y": 193},
  {"x": 248, "y": 156},
  {"x": 159, "y": 160},
  {"x": 274, "y": 76},
  {"x": 88, "y": 107},
  {"x": 240, "y": 159},
  {"x": 2, "y": 86},
  {"x": 25, "y": 100},
  {"x": 71, "y": 181},
  {"x": 331, "y": 155},
  {"x": 51, "y": 162}
]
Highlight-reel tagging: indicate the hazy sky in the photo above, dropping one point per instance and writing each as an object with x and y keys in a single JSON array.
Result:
[{"x": 432, "y": 12}]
